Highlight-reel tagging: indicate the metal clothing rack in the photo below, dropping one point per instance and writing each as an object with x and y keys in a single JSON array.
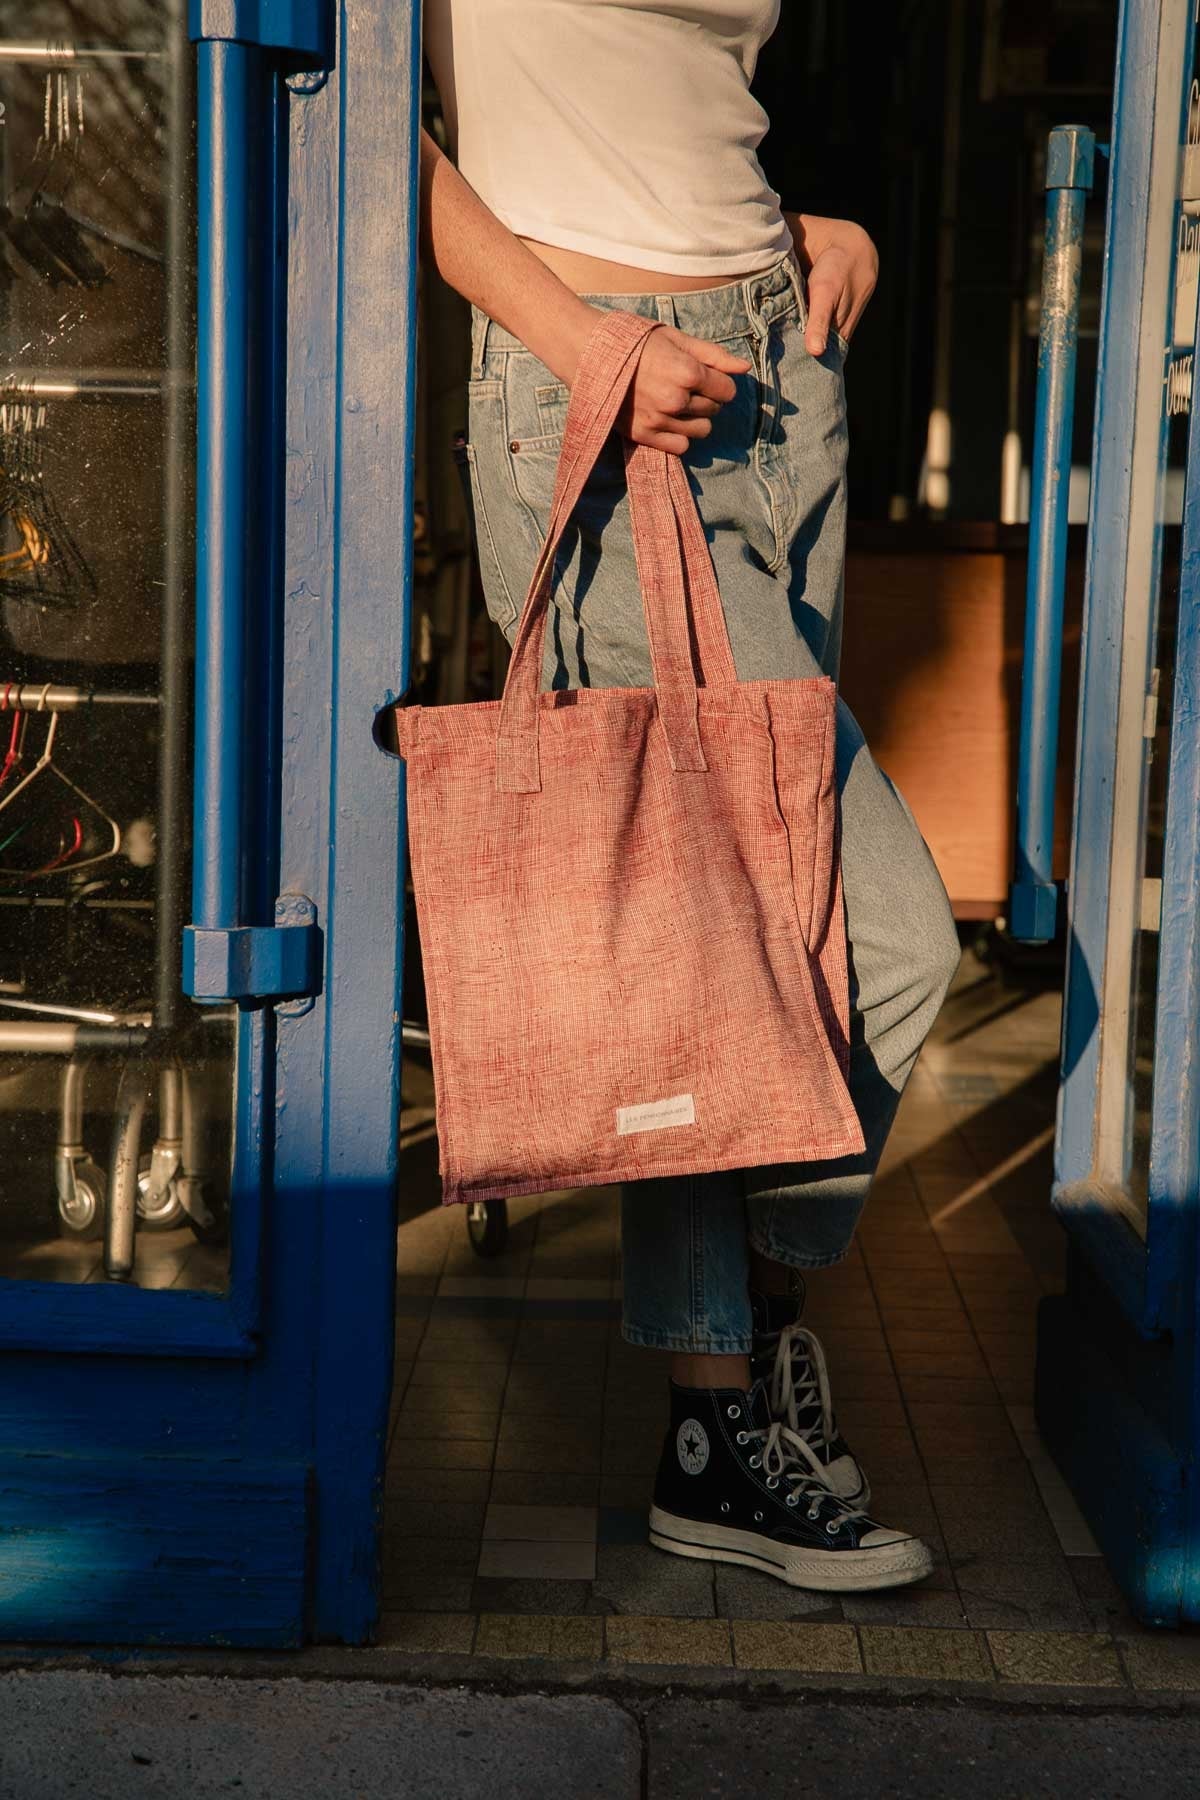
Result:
[
  {"x": 15, "y": 50},
  {"x": 100, "y": 384},
  {"x": 52, "y": 696},
  {"x": 152, "y": 1044}
]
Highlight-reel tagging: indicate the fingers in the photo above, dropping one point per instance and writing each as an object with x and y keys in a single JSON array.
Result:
[
  {"x": 673, "y": 435},
  {"x": 692, "y": 379},
  {"x": 679, "y": 425},
  {"x": 707, "y": 368},
  {"x": 715, "y": 355},
  {"x": 823, "y": 297},
  {"x": 670, "y": 441}
]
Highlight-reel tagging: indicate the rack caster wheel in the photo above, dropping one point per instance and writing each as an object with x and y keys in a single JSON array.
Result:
[
  {"x": 207, "y": 1216},
  {"x": 167, "y": 1212},
  {"x": 487, "y": 1226},
  {"x": 82, "y": 1215}
]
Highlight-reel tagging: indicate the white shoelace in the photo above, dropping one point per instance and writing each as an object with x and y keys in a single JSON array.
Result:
[
  {"x": 786, "y": 1456},
  {"x": 800, "y": 1381}
]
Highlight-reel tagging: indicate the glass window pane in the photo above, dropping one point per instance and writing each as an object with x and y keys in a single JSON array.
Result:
[{"x": 97, "y": 355}]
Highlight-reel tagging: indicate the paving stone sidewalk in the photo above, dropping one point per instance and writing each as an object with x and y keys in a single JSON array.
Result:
[
  {"x": 102, "y": 1736},
  {"x": 526, "y": 1431}
]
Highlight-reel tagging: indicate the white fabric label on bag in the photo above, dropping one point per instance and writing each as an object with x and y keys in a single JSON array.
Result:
[{"x": 656, "y": 1115}]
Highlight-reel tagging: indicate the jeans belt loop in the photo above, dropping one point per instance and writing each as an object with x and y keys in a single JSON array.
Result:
[{"x": 796, "y": 277}]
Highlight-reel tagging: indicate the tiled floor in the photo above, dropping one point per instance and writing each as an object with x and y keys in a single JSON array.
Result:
[
  {"x": 162, "y": 1259},
  {"x": 526, "y": 1431}
]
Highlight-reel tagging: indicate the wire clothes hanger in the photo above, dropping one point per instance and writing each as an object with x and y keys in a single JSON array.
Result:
[
  {"x": 16, "y": 739},
  {"x": 67, "y": 859},
  {"x": 37, "y": 224},
  {"x": 47, "y": 568}
]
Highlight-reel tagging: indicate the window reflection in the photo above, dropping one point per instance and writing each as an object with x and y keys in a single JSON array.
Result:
[{"x": 115, "y": 1091}]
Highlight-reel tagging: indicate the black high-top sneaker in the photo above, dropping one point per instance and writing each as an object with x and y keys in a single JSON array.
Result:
[
  {"x": 735, "y": 1485},
  {"x": 789, "y": 1361}
]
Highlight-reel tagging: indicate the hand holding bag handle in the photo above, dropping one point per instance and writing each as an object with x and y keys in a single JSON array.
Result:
[{"x": 668, "y": 539}]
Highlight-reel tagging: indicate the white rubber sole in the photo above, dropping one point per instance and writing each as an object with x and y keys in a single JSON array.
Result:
[{"x": 834, "y": 1571}]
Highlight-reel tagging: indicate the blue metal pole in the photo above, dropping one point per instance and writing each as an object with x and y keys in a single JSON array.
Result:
[
  {"x": 1033, "y": 899},
  {"x": 229, "y": 311},
  {"x": 243, "y": 943}
]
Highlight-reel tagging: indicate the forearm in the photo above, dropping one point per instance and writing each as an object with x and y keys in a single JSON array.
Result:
[{"x": 485, "y": 262}]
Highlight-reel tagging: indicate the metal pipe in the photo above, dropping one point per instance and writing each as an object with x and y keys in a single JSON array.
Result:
[
  {"x": 17, "y": 51},
  {"x": 50, "y": 696},
  {"x": 87, "y": 1015},
  {"x": 193, "y": 1166},
  {"x": 170, "y": 1103},
  {"x": 232, "y": 268},
  {"x": 64, "y": 1040},
  {"x": 90, "y": 903},
  {"x": 120, "y": 1226},
  {"x": 50, "y": 1040},
  {"x": 194, "y": 1119},
  {"x": 101, "y": 384},
  {"x": 74, "y": 1083},
  {"x": 70, "y": 1155},
  {"x": 1033, "y": 898},
  {"x": 170, "y": 867}
]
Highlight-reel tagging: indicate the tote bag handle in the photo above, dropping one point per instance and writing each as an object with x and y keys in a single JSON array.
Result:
[{"x": 675, "y": 571}]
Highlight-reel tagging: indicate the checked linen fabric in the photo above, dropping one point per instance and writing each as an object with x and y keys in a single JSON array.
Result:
[{"x": 630, "y": 899}]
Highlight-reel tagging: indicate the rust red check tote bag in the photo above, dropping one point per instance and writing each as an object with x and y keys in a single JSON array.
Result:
[{"x": 630, "y": 899}]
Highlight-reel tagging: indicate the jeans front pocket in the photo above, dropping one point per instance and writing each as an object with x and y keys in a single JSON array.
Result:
[{"x": 534, "y": 409}]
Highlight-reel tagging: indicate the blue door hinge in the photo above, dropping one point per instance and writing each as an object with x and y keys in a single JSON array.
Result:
[
  {"x": 257, "y": 962},
  {"x": 304, "y": 28}
]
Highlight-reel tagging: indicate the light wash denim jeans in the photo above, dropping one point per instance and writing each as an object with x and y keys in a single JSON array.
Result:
[{"x": 770, "y": 486}]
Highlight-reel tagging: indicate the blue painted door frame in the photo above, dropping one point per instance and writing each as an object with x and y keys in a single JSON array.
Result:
[
  {"x": 1118, "y": 1390},
  {"x": 201, "y": 1468}
]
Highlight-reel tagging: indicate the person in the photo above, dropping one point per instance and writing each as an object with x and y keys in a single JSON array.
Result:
[{"x": 605, "y": 155}]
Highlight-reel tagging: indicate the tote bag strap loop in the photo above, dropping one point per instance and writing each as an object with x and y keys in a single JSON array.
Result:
[{"x": 672, "y": 558}]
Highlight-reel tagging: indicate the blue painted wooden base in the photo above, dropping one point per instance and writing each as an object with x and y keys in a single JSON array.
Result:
[
  {"x": 152, "y": 1550},
  {"x": 1135, "y": 1491}
]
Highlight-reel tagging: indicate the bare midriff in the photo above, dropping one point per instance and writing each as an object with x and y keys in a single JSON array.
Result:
[{"x": 596, "y": 275}]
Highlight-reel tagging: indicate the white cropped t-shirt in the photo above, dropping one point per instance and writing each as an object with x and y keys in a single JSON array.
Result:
[{"x": 623, "y": 128}]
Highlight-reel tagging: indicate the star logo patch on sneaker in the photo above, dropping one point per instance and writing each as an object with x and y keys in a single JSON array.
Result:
[{"x": 691, "y": 1442}]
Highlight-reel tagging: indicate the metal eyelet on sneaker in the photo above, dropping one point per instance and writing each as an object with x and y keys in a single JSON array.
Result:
[
  {"x": 755, "y": 1462},
  {"x": 792, "y": 1500},
  {"x": 772, "y": 1481},
  {"x": 724, "y": 1506},
  {"x": 733, "y": 1412},
  {"x": 814, "y": 1512},
  {"x": 832, "y": 1527},
  {"x": 743, "y": 1437},
  {"x": 758, "y": 1518}
]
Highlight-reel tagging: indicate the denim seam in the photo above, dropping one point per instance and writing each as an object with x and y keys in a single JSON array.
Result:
[
  {"x": 696, "y": 1257},
  {"x": 667, "y": 1340},
  {"x": 767, "y": 1246}
]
